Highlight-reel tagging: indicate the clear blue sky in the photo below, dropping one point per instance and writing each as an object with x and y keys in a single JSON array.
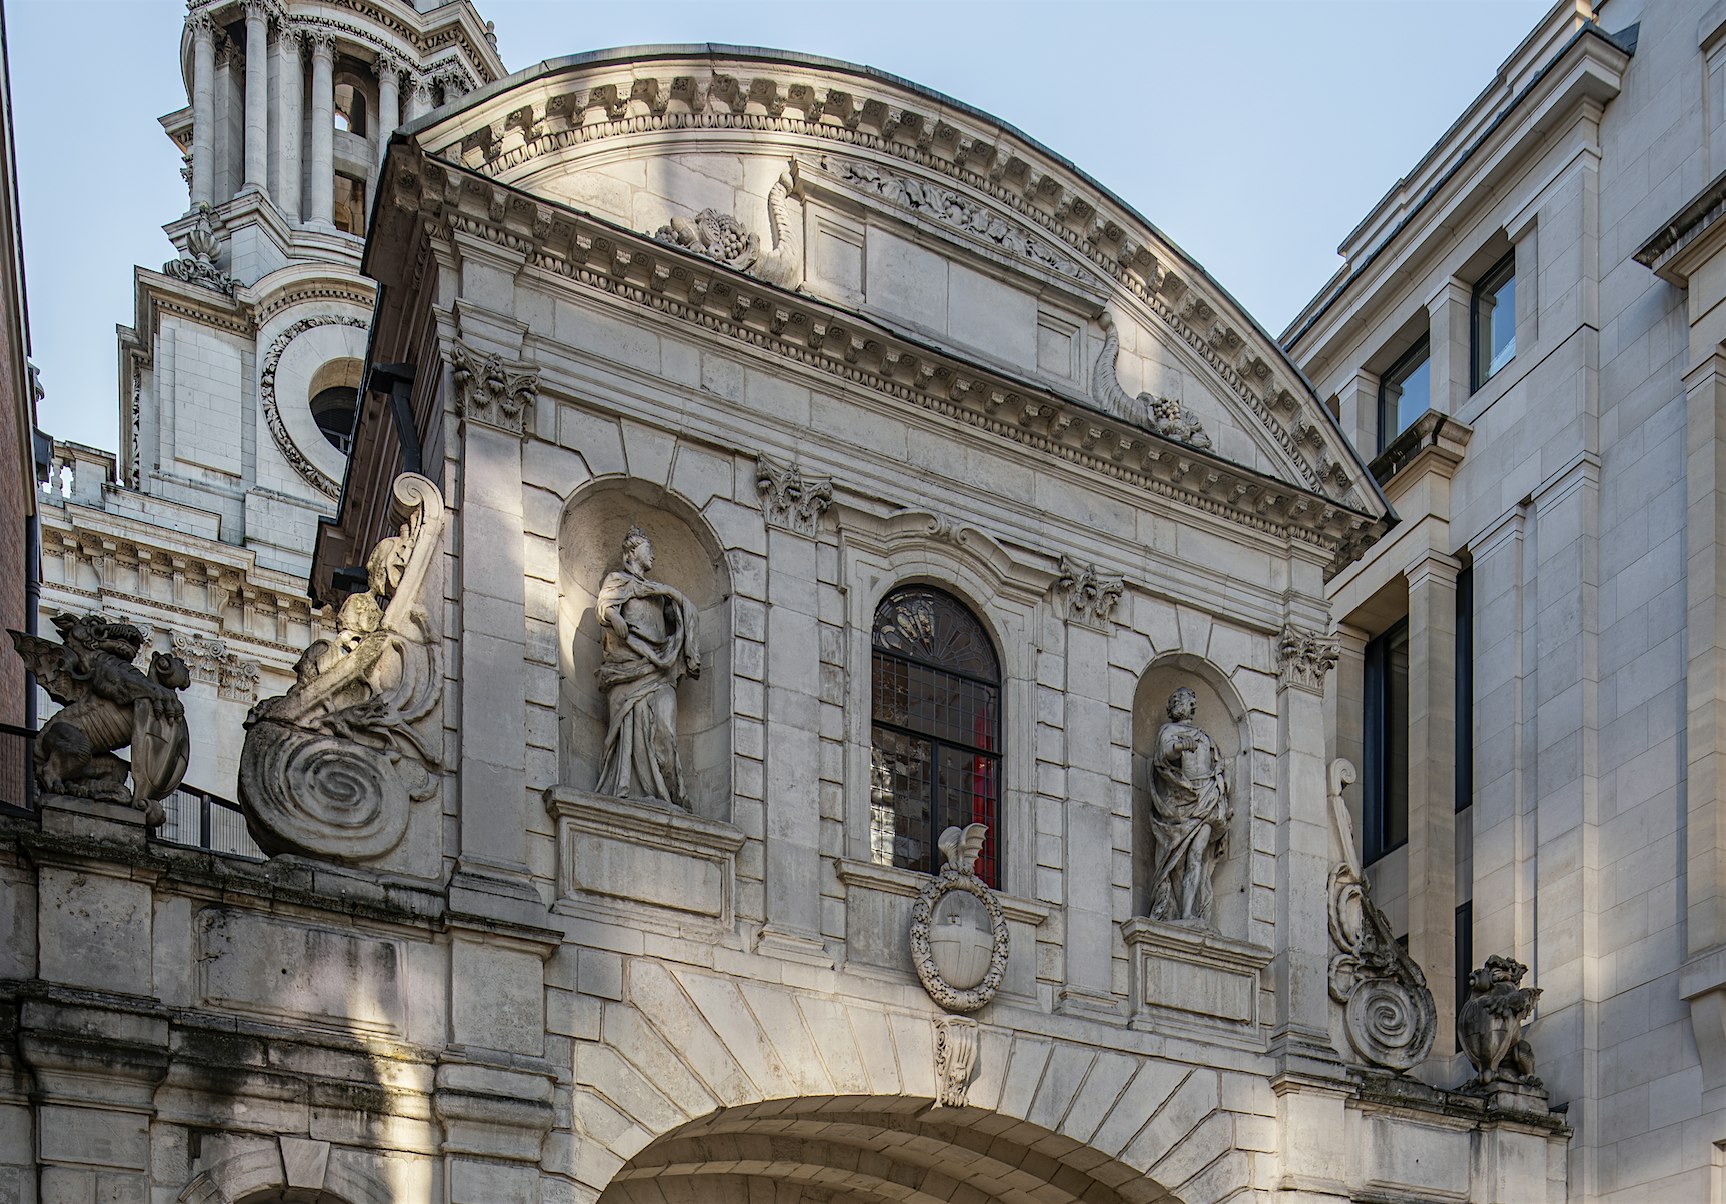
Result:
[{"x": 1254, "y": 134}]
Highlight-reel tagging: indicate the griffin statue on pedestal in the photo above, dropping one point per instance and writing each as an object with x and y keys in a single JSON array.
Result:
[
  {"x": 108, "y": 704},
  {"x": 1489, "y": 1025}
]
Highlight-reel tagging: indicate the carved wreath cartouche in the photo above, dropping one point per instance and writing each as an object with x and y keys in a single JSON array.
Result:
[
  {"x": 331, "y": 768},
  {"x": 960, "y": 847},
  {"x": 108, "y": 704}
]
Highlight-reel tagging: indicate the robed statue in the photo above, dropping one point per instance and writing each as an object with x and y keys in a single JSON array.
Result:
[
  {"x": 1190, "y": 814},
  {"x": 650, "y": 646}
]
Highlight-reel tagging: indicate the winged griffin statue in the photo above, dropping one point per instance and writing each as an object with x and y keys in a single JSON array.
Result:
[{"x": 108, "y": 704}]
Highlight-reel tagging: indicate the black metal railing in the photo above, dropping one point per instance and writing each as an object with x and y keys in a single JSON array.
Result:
[
  {"x": 195, "y": 818},
  {"x": 201, "y": 820}
]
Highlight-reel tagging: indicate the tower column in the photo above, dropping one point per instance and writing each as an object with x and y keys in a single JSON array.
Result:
[
  {"x": 321, "y": 206},
  {"x": 257, "y": 97},
  {"x": 203, "y": 109},
  {"x": 389, "y": 101},
  {"x": 289, "y": 130}
]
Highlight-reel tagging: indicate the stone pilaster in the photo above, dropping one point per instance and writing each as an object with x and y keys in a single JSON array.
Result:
[
  {"x": 1305, "y": 855},
  {"x": 320, "y": 207},
  {"x": 1086, "y": 821},
  {"x": 290, "y": 45},
  {"x": 1448, "y": 333}
]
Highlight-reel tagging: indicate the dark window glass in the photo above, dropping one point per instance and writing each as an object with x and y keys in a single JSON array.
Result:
[
  {"x": 1464, "y": 688},
  {"x": 1464, "y": 954},
  {"x": 1404, "y": 394},
  {"x": 1495, "y": 319},
  {"x": 333, "y": 411},
  {"x": 1385, "y": 798},
  {"x": 936, "y": 730}
]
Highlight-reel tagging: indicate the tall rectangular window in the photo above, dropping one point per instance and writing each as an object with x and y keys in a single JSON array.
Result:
[
  {"x": 1405, "y": 393},
  {"x": 1464, "y": 688},
  {"x": 1494, "y": 314},
  {"x": 1384, "y": 825}
]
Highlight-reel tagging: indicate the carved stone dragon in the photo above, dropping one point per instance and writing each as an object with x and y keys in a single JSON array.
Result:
[{"x": 109, "y": 704}]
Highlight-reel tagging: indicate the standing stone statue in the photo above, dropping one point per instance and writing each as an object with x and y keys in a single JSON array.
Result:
[
  {"x": 650, "y": 644},
  {"x": 1190, "y": 814}
]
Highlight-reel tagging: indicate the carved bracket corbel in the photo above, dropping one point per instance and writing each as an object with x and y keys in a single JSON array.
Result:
[
  {"x": 493, "y": 391},
  {"x": 1305, "y": 658},
  {"x": 790, "y": 498},
  {"x": 1087, "y": 596}
]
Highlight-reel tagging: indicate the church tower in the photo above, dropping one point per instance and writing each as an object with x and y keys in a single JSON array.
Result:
[{"x": 239, "y": 376}]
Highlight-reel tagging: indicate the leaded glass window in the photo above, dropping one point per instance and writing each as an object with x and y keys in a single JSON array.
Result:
[{"x": 936, "y": 730}]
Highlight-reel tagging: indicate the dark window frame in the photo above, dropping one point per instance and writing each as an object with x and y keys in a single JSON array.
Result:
[
  {"x": 989, "y": 756},
  {"x": 1393, "y": 378},
  {"x": 1465, "y": 688},
  {"x": 1379, "y": 830},
  {"x": 1464, "y": 953},
  {"x": 1480, "y": 368}
]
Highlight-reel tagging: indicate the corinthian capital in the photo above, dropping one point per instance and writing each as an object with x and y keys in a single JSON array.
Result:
[
  {"x": 1306, "y": 657},
  {"x": 492, "y": 390}
]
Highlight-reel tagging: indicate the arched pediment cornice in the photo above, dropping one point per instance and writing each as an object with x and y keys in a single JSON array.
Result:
[{"x": 839, "y": 117}]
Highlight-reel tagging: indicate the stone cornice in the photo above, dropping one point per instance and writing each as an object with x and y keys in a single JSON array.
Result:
[
  {"x": 349, "y": 18},
  {"x": 640, "y": 271},
  {"x": 561, "y": 109}
]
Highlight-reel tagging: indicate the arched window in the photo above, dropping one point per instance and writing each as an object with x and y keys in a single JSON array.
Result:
[{"x": 936, "y": 730}]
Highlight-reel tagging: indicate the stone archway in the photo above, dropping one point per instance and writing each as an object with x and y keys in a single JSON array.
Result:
[{"x": 870, "y": 1149}]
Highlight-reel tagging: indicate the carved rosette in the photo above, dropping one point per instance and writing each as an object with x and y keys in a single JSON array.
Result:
[
  {"x": 1388, "y": 1011},
  {"x": 955, "y": 1059},
  {"x": 1087, "y": 596},
  {"x": 492, "y": 390},
  {"x": 790, "y": 498},
  {"x": 961, "y": 847},
  {"x": 331, "y": 768},
  {"x": 1306, "y": 658}
]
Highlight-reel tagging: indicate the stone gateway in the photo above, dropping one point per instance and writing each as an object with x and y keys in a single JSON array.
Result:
[{"x": 824, "y": 702}]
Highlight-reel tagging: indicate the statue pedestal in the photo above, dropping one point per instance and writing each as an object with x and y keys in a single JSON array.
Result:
[
  {"x": 1519, "y": 1097},
  {"x": 67, "y": 815}
]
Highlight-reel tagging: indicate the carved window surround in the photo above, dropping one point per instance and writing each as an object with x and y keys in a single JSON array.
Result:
[
  {"x": 623, "y": 861},
  {"x": 1190, "y": 979}
]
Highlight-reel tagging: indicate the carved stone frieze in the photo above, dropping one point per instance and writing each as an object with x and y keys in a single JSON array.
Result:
[
  {"x": 949, "y": 208},
  {"x": 1087, "y": 596},
  {"x": 1388, "y": 1011},
  {"x": 291, "y": 452},
  {"x": 791, "y": 498},
  {"x": 1164, "y": 415},
  {"x": 234, "y": 676},
  {"x": 955, "y": 1060},
  {"x": 645, "y": 273},
  {"x": 1305, "y": 658},
  {"x": 198, "y": 263},
  {"x": 961, "y": 965},
  {"x": 492, "y": 390},
  {"x": 332, "y": 768}
]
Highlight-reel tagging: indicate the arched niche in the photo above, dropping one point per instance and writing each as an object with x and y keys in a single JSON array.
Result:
[
  {"x": 687, "y": 556},
  {"x": 1223, "y": 716}
]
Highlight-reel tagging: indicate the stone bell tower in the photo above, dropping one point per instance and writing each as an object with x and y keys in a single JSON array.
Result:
[{"x": 239, "y": 376}]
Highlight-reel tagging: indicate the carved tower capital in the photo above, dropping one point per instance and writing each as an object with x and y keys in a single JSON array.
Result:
[{"x": 493, "y": 391}]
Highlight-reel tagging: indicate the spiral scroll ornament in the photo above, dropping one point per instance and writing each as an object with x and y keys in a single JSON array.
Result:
[
  {"x": 331, "y": 768},
  {"x": 1388, "y": 1010},
  {"x": 315, "y": 791}
]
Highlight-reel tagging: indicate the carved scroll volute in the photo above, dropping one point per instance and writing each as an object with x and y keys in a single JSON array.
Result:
[
  {"x": 331, "y": 768},
  {"x": 1388, "y": 1011}
]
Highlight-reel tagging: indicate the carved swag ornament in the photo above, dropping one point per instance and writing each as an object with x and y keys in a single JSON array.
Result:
[
  {"x": 109, "y": 704},
  {"x": 331, "y": 768},
  {"x": 961, "y": 967},
  {"x": 1388, "y": 1011}
]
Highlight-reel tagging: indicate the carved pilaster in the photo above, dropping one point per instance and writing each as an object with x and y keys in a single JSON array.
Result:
[
  {"x": 791, "y": 499},
  {"x": 1305, "y": 658},
  {"x": 492, "y": 390},
  {"x": 1086, "y": 595}
]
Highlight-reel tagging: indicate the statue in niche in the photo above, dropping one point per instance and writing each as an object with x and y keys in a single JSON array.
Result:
[
  {"x": 1190, "y": 814},
  {"x": 650, "y": 645}
]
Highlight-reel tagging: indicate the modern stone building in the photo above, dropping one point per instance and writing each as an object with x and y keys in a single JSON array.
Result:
[
  {"x": 1526, "y": 335},
  {"x": 239, "y": 374}
]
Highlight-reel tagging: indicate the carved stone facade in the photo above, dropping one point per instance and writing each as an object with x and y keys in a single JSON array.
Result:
[{"x": 894, "y": 923}]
